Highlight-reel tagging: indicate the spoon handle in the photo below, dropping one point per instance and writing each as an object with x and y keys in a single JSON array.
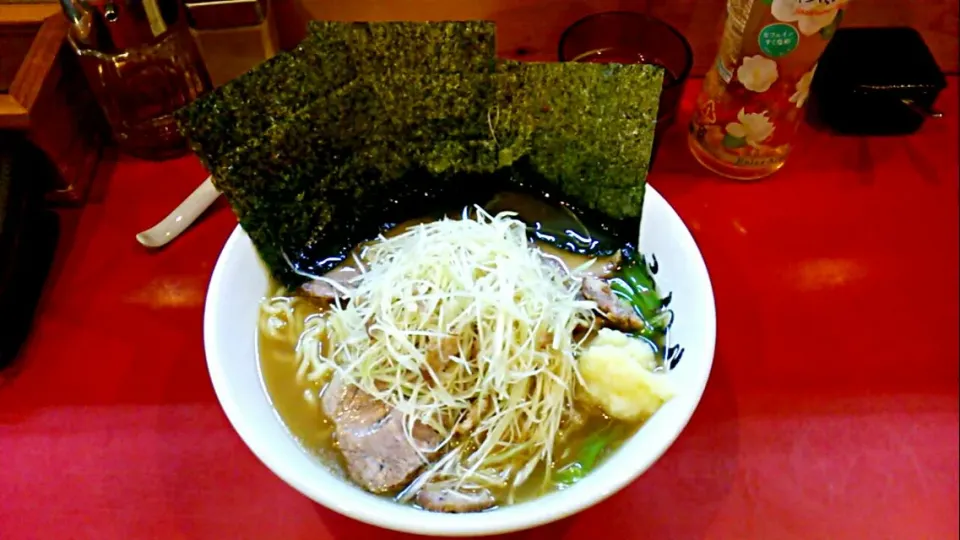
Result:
[{"x": 181, "y": 217}]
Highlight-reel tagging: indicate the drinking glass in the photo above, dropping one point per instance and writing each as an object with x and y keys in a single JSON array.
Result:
[{"x": 626, "y": 37}]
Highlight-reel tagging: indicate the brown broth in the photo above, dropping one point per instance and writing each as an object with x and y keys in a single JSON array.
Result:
[
  {"x": 303, "y": 418},
  {"x": 601, "y": 266}
]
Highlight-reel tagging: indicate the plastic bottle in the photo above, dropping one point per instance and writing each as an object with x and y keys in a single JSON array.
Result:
[{"x": 752, "y": 97}]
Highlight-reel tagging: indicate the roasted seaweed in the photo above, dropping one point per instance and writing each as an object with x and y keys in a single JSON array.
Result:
[
  {"x": 333, "y": 55},
  {"x": 436, "y": 47},
  {"x": 242, "y": 110},
  {"x": 586, "y": 127},
  {"x": 325, "y": 167},
  {"x": 366, "y": 121}
]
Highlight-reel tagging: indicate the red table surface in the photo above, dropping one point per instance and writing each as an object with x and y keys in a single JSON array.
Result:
[{"x": 831, "y": 412}]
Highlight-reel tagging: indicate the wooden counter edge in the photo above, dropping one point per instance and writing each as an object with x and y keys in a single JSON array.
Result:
[{"x": 39, "y": 63}]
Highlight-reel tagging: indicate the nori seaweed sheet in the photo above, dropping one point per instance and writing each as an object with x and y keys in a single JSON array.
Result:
[
  {"x": 330, "y": 57},
  {"x": 287, "y": 185},
  {"x": 587, "y": 127},
  {"x": 365, "y": 122},
  {"x": 243, "y": 109},
  {"x": 436, "y": 47}
]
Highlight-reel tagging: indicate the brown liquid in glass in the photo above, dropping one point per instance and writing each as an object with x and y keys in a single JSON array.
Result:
[{"x": 140, "y": 88}]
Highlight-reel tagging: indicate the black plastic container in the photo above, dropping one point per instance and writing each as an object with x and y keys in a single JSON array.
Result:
[{"x": 877, "y": 81}]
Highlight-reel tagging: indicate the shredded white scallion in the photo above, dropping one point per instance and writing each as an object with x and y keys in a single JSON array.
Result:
[{"x": 462, "y": 325}]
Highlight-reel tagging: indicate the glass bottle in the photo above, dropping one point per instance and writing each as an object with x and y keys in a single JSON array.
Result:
[
  {"x": 142, "y": 64},
  {"x": 752, "y": 97}
]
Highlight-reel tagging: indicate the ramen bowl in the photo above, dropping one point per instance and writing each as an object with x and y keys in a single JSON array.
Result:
[{"x": 240, "y": 281}]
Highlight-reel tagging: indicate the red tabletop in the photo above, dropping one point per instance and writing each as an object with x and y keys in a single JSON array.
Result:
[{"x": 832, "y": 410}]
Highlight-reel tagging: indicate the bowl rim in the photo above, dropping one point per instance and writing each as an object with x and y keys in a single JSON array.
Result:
[{"x": 508, "y": 519}]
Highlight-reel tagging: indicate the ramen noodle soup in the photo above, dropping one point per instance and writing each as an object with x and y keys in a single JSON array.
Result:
[{"x": 464, "y": 363}]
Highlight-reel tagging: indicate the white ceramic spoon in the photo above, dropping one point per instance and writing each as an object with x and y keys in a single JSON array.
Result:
[{"x": 182, "y": 216}]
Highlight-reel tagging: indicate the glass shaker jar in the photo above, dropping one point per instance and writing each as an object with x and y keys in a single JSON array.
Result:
[
  {"x": 753, "y": 95},
  {"x": 142, "y": 64}
]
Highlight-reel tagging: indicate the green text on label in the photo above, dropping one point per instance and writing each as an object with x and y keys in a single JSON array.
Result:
[{"x": 778, "y": 39}]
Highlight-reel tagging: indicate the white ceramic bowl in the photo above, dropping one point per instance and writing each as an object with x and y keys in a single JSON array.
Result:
[{"x": 239, "y": 282}]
